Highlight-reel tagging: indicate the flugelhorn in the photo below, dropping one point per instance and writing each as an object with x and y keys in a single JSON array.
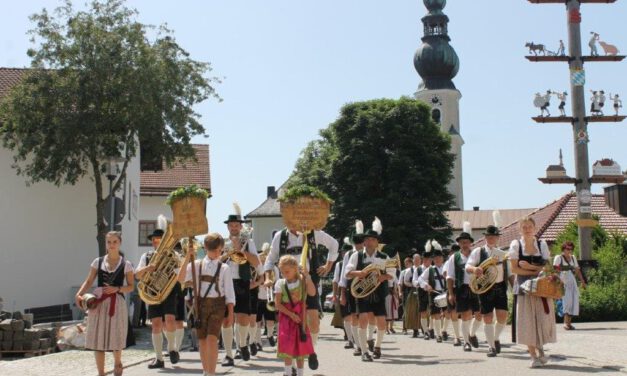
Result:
[
  {"x": 480, "y": 285},
  {"x": 237, "y": 256},
  {"x": 362, "y": 287},
  {"x": 270, "y": 306}
]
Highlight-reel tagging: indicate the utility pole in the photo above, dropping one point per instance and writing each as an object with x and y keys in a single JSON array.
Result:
[{"x": 579, "y": 120}]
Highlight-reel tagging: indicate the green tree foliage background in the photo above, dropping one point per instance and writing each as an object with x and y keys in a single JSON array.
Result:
[{"x": 383, "y": 158}]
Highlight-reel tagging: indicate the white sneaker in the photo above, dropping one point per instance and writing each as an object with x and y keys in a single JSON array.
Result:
[{"x": 535, "y": 363}]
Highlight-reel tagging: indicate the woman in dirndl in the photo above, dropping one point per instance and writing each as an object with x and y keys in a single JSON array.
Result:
[
  {"x": 107, "y": 321},
  {"x": 535, "y": 316},
  {"x": 567, "y": 265},
  {"x": 391, "y": 305}
]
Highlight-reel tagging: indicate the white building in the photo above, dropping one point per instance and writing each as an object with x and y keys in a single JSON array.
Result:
[
  {"x": 156, "y": 185},
  {"x": 49, "y": 233},
  {"x": 437, "y": 64},
  {"x": 266, "y": 218}
]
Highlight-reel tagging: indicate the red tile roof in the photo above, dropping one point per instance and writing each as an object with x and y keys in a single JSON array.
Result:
[
  {"x": 480, "y": 219},
  {"x": 161, "y": 183},
  {"x": 553, "y": 218},
  {"x": 9, "y": 77}
]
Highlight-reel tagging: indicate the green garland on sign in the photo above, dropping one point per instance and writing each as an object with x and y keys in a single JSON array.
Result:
[
  {"x": 297, "y": 191},
  {"x": 189, "y": 191}
]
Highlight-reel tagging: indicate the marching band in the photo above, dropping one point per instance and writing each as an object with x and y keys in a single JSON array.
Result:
[{"x": 240, "y": 293}]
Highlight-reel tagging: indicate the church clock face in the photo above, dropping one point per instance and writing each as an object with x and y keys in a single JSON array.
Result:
[{"x": 436, "y": 101}]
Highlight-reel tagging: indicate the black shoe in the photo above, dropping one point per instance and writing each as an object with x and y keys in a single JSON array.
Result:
[
  {"x": 365, "y": 357},
  {"x": 371, "y": 345},
  {"x": 174, "y": 357},
  {"x": 376, "y": 354},
  {"x": 238, "y": 355},
  {"x": 228, "y": 362},
  {"x": 426, "y": 337},
  {"x": 193, "y": 349},
  {"x": 445, "y": 336},
  {"x": 497, "y": 345},
  {"x": 156, "y": 364},
  {"x": 491, "y": 352},
  {"x": 357, "y": 352},
  {"x": 349, "y": 345},
  {"x": 415, "y": 334},
  {"x": 245, "y": 353},
  {"x": 259, "y": 347},
  {"x": 253, "y": 349},
  {"x": 313, "y": 361},
  {"x": 431, "y": 333},
  {"x": 474, "y": 342},
  {"x": 438, "y": 339},
  {"x": 457, "y": 342},
  {"x": 467, "y": 347},
  {"x": 294, "y": 372},
  {"x": 271, "y": 341}
]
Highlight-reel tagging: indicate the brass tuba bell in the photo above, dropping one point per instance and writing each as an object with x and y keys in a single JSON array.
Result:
[{"x": 362, "y": 287}]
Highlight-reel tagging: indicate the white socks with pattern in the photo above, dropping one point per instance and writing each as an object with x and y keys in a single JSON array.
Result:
[{"x": 157, "y": 344}]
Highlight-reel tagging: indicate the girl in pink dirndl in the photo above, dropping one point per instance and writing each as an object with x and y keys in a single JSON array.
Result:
[{"x": 290, "y": 296}]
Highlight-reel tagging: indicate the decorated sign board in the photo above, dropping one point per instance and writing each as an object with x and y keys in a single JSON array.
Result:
[
  {"x": 305, "y": 213},
  {"x": 189, "y": 217},
  {"x": 606, "y": 167}
]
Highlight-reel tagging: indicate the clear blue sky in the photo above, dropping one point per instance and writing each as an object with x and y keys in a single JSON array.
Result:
[{"x": 288, "y": 67}]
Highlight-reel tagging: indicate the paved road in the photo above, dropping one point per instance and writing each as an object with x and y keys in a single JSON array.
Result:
[{"x": 592, "y": 348}]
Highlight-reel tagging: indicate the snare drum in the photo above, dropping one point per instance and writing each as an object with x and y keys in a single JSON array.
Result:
[{"x": 441, "y": 300}]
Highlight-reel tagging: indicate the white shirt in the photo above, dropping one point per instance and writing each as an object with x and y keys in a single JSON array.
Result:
[
  {"x": 415, "y": 278},
  {"x": 143, "y": 260},
  {"x": 128, "y": 267},
  {"x": 475, "y": 259},
  {"x": 367, "y": 260},
  {"x": 344, "y": 279},
  {"x": 450, "y": 273},
  {"x": 424, "y": 279},
  {"x": 337, "y": 273},
  {"x": 209, "y": 268},
  {"x": 392, "y": 281},
  {"x": 544, "y": 249},
  {"x": 320, "y": 237},
  {"x": 235, "y": 267},
  {"x": 408, "y": 277},
  {"x": 559, "y": 260},
  {"x": 445, "y": 267}
]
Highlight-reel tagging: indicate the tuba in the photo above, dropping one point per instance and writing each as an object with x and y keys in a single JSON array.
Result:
[
  {"x": 480, "y": 285},
  {"x": 155, "y": 287},
  {"x": 362, "y": 287}
]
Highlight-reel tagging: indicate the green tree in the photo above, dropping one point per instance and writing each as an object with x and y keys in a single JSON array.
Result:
[
  {"x": 101, "y": 84},
  {"x": 571, "y": 233},
  {"x": 383, "y": 158}
]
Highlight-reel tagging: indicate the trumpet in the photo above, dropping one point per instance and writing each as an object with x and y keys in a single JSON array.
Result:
[
  {"x": 238, "y": 257},
  {"x": 270, "y": 306},
  {"x": 362, "y": 287}
]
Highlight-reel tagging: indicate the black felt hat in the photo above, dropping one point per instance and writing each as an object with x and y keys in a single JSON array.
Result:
[
  {"x": 464, "y": 235},
  {"x": 235, "y": 218},
  {"x": 371, "y": 234},
  {"x": 437, "y": 252},
  {"x": 157, "y": 232},
  {"x": 492, "y": 230},
  {"x": 358, "y": 238}
]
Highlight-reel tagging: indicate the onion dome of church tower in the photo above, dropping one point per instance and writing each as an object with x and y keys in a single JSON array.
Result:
[{"x": 436, "y": 61}]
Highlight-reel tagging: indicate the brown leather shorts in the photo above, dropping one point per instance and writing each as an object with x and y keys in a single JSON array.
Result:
[{"x": 212, "y": 312}]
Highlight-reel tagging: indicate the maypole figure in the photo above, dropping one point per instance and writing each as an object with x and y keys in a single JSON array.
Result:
[
  {"x": 561, "y": 51},
  {"x": 593, "y": 44},
  {"x": 597, "y": 102},
  {"x": 562, "y": 98},
  {"x": 543, "y": 102},
  {"x": 618, "y": 103}
]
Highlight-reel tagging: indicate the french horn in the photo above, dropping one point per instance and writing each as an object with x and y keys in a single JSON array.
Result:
[
  {"x": 480, "y": 285},
  {"x": 362, "y": 287}
]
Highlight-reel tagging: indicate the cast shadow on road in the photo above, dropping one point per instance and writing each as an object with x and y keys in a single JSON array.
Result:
[
  {"x": 595, "y": 329},
  {"x": 584, "y": 369}
]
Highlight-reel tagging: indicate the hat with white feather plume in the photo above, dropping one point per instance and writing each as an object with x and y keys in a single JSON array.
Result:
[
  {"x": 358, "y": 237},
  {"x": 466, "y": 232},
  {"x": 376, "y": 230},
  {"x": 237, "y": 217},
  {"x": 493, "y": 230},
  {"x": 162, "y": 225}
]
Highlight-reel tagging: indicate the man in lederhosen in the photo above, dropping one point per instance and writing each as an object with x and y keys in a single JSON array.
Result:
[
  {"x": 432, "y": 281},
  {"x": 245, "y": 314},
  {"x": 373, "y": 305},
  {"x": 158, "y": 313},
  {"x": 286, "y": 242},
  {"x": 423, "y": 296},
  {"x": 346, "y": 298},
  {"x": 461, "y": 300},
  {"x": 496, "y": 297}
]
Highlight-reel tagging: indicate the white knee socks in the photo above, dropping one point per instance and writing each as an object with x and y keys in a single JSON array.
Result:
[
  {"x": 355, "y": 330},
  {"x": 314, "y": 338},
  {"x": 425, "y": 324},
  {"x": 437, "y": 323},
  {"x": 380, "y": 334},
  {"x": 242, "y": 335},
  {"x": 475, "y": 326},
  {"x": 456, "y": 328},
  {"x": 180, "y": 335},
  {"x": 488, "y": 329},
  {"x": 270, "y": 327},
  {"x": 371, "y": 329},
  {"x": 258, "y": 333},
  {"x": 445, "y": 324},
  {"x": 171, "y": 337},
  {"x": 348, "y": 329},
  {"x": 363, "y": 337},
  {"x": 157, "y": 344},
  {"x": 466, "y": 330},
  {"x": 227, "y": 338}
]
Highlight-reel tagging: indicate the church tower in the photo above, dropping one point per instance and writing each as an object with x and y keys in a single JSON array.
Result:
[{"x": 437, "y": 64}]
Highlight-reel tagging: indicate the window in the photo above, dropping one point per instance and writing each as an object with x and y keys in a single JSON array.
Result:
[
  {"x": 146, "y": 228},
  {"x": 436, "y": 115}
]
